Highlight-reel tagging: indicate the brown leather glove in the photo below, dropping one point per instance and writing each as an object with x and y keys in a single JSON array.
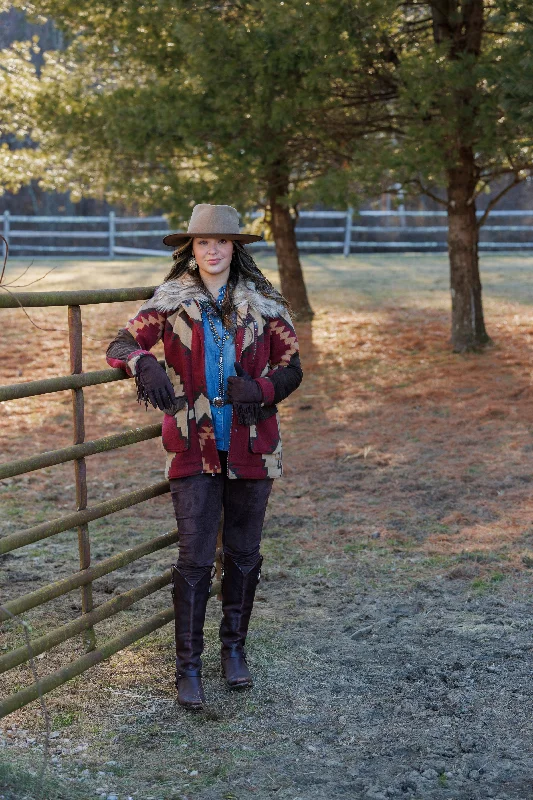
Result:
[
  {"x": 242, "y": 388},
  {"x": 154, "y": 386}
]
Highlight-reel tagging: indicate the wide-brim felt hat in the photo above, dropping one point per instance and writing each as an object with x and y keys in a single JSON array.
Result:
[{"x": 212, "y": 221}]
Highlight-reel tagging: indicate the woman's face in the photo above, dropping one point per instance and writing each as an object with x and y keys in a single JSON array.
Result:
[{"x": 213, "y": 256}]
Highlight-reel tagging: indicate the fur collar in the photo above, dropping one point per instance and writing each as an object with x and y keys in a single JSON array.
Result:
[{"x": 169, "y": 296}]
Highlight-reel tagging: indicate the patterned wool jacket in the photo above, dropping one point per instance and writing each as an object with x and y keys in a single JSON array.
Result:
[{"x": 265, "y": 346}]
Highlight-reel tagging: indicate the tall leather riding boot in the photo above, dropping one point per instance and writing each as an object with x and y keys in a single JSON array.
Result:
[
  {"x": 190, "y": 601},
  {"x": 238, "y": 592}
]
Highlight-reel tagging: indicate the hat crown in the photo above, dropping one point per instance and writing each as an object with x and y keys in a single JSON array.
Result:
[{"x": 213, "y": 219}]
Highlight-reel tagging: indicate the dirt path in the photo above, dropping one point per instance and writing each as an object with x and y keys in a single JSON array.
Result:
[
  {"x": 391, "y": 639},
  {"x": 360, "y": 694}
]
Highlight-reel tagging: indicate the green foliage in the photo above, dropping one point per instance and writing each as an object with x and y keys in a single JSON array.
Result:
[
  {"x": 64, "y": 719},
  {"x": 421, "y": 89},
  {"x": 166, "y": 104},
  {"x": 18, "y": 781},
  {"x": 482, "y": 585},
  {"x": 19, "y": 161}
]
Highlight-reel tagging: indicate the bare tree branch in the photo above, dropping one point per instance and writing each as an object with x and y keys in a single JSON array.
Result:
[
  {"x": 495, "y": 200},
  {"x": 428, "y": 192},
  {"x": 5, "y": 257},
  {"x": 44, "y": 710}
]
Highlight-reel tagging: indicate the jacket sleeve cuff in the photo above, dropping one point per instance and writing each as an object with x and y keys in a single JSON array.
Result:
[
  {"x": 134, "y": 358},
  {"x": 267, "y": 389}
]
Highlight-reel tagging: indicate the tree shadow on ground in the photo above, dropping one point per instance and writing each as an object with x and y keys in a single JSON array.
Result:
[{"x": 414, "y": 440}]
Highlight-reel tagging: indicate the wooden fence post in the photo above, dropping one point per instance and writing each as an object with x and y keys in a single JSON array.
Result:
[
  {"x": 401, "y": 205},
  {"x": 112, "y": 228},
  {"x": 80, "y": 468},
  {"x": 348, "y": 232}
]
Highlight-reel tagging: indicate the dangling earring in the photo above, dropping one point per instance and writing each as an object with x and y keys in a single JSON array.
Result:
[{"x": 192, "y": 264}]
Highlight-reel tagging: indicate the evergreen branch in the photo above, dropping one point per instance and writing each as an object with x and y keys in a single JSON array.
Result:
[
  {"x": 412, "y": 24},
  {"x": 355, "y": 101},
  {"x": 511, "y": 170}
]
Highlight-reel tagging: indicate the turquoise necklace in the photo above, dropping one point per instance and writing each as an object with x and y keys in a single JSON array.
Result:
[{"x": 220, "y": 341}]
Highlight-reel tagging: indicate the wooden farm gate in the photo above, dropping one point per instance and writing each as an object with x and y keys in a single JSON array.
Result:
[{"x": 77, "y": 452}]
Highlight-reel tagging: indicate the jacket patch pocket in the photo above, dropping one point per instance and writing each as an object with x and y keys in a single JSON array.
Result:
[
  {"x": 176, "y": 431},
  {"x": 265, "y": 436}
]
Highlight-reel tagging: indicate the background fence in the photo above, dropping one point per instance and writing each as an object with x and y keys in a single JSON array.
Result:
[
  {"x": 331, "y": 231},
  {"x": 79, "y": 520}
]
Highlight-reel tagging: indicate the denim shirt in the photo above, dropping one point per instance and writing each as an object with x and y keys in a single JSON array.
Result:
[{"x": 221, "y": 416}]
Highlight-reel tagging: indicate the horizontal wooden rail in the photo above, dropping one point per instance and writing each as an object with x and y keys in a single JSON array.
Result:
[
  {"x": 59, "y": 234},
  {"x": 60, "y": 218},
  {"x": 140, "y": 251},
  {"x": 108, "y": 609},
  {"x": 40, "y": 248},
  {"x": 398, "y": 229},
  {"x": 52, "y": 590},
  {"x": 61, "y": 676},
  {"x": 74, "y": 451},
  {"x": 16, "y": 391},
  {"x": 133, "y": 234},
  {"x": 66, "y": 523},
  {"x": 407, "y": 213},
  {"x": 104, "y": 611},
  {"x": 83, "y": 297},
  {"x": 115, "y": 230},
  {"x": 319, "y": 230},
  {"x": 88, "y": 573},
  {"x": 57, "y": 218},
  {"x": 429, "y": 229},
  {"x": 47, "y": 385}
]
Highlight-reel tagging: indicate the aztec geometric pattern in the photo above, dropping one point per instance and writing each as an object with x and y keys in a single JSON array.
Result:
[{"x": 265, "y": 342}]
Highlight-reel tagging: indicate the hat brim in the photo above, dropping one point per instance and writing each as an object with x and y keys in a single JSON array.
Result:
[{"x": 176, "y": 238}]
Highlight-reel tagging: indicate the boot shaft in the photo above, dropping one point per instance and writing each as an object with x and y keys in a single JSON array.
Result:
[
  {"x": 190, "y": 603},
  {"x": 238, "y": 593}
]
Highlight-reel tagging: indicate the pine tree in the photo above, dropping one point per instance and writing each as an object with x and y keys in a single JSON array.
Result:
[
  {"x": 435, "y": 96},
  {"x": 164, "y": 105}
]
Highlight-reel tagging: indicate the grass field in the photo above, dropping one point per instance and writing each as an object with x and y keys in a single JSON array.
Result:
[{"x": 391, "y": 637}]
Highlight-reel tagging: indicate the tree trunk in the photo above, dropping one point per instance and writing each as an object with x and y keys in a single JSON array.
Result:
[
  {"x": 461, "y": 27},
  {"x": 468, "y": 326},
  {"x": 290, "y": 268}
]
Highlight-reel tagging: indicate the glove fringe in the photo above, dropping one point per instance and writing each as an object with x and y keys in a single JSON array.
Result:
[
  {"x": 142, "y": 397},
  {"x": 247, "y": 413}
]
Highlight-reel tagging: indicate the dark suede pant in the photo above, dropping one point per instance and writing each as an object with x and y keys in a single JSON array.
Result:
[{"x": 198, "y": 503}]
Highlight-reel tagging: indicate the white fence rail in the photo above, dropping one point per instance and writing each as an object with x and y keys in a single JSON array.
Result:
[{"x": 344, "y": 231}]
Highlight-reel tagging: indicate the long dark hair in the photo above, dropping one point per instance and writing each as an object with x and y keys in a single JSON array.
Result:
[{"x": 242, "y": 265}]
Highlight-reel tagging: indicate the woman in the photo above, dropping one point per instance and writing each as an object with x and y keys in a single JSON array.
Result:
[{"x": 231, "y": 355}]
